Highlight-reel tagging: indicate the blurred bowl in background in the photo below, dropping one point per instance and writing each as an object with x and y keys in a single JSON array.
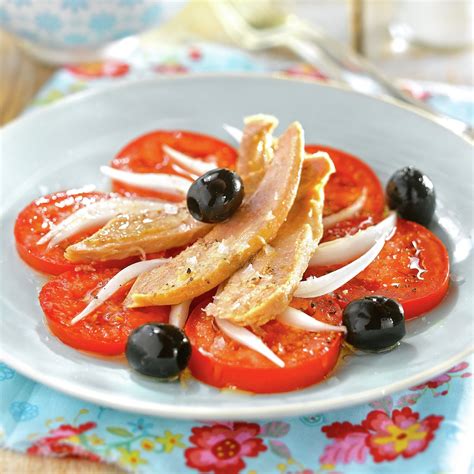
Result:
[{"x": 72, "y": 31}]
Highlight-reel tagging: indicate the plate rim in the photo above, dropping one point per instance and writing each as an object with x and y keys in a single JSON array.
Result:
[
  {"x": 332, "y": 84},
  {"x": 77, "y": 390},
  {"x": 241, "y": 413}
]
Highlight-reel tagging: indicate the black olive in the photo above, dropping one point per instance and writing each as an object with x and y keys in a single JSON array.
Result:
[
  {"x": 411, "y": 193},
  {"x": 215, "y": 196},
  {"x": 374, "y": 323},
  {"x": 158, "y": 350}
]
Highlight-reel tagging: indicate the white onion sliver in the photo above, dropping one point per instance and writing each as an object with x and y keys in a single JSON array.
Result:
[
  {"x": 234, "y": 132},
  {"x": 347, "y": 212},
  {"x": 248, "y": 339},
  {"x": 299, "y": 319},
  {"x": 352, "y": 246},
  {"x": 313, "y": 287},
  {"x": 118, "y": 280},
  {"x": 82, "y": 220},
  {"x": 166, "y": 183},
  {"x": 179, "y": 314},
  {"x": 194, "y": 165},
  {"x": 95, "y": 214}
]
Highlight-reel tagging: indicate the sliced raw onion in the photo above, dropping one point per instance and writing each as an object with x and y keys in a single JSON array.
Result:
[
  {"x": 313, "y": 287},
  {"x": 234, "y": 132},
  {"x": 95, "y": 214},
  {"x": 347, "y": 212},
  {"x": 299, "y": 319},
  {"x": 165, "y": 183},
  {"x": 248, "y": 339},
  {"x": 179, "y": 314},
  {"x": 188, "y": 163},
  {"x": 117, "y": 281},
  {"x": 350, "y": 247}
]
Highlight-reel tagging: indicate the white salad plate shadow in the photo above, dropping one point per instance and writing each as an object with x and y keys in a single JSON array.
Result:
[{"x": 62, "y": 147}]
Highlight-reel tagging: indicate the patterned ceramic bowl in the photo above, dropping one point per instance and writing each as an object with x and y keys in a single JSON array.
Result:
[{"x": 61, "y": 31}]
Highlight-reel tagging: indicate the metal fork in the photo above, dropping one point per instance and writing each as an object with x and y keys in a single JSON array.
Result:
[{"x": 317, "y": 49}]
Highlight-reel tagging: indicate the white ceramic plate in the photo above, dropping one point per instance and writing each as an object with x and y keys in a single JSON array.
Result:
[{"x": 63, "y": 145}]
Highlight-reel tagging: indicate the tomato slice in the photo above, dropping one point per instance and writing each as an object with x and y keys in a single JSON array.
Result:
[
  {"x": 105, "y": 331},
  {"x": 347, "y": 184},
  {"x": 309, "y": 357},
  {"x": 390, "y": 274},
  {"x": 36, "y": 219},
  {"x": 145, "y": 155}
]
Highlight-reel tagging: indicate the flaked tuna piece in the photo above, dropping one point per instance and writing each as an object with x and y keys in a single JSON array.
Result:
[
  {"x": 216, "y": 256},
  {"x": 257, "y": 144},
  {"x": 137, "y": 233},
  {"x": 264, "y": 287}
]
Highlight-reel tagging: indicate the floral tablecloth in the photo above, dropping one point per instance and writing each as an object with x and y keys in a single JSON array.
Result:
[{"x": 426, "y": 429}]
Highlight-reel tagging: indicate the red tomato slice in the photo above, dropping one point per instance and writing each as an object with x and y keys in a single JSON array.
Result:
[
  {"x": 145, "y": 155},
  {"x": 346, "y": 185},
  {"x": 105, "y": 331},
  {"x": 309, "y": 357},
  {"x": 389, "y": 274},
  {"x": 35, "y": 220}
]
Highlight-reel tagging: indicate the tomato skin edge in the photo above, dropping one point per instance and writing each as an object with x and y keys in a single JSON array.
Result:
[
  {"x": 263, "y": 380},
  {"x": 38, "y": 264},
  {"x": 378, "y": 194},
  {"x": 56, "y": 269},
  {"x": 64, "y": 296},
  {"x": 418, "y": 307},
  {"x": 97, "y": 349}
]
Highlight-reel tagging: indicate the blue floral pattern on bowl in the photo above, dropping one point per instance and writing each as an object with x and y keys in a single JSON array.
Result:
[{"x": 85, "y": 25}]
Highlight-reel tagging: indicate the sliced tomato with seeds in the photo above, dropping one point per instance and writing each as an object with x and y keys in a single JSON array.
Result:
[
  {"x": 145, "y": 155},
  {"x": 347, "y": 184},
  {"x": 394, "y": 274},
  {"x": 36, "y": 220},
  {"x": 104, "y": 331},
  {"x": 221, "y": 362}
]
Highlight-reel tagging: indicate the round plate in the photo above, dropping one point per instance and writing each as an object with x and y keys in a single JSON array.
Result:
[{"x": 62, "y": 147}]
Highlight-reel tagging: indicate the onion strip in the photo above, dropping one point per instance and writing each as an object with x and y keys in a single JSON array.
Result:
[
  {"x": 166, "y": 183},
  {"x": 117, "y": 281},
  {"x": 299, "y": 319},
  {"x": 179, "y": 314},
  {"x": 234, "y": 132},
  {"x": 313, "y": 287},
  {"x": 352, "y": 246},
  {"x": 188, "y": 163},
  {"x": 347, "y": 212},
  {"x": 248, "y": 339},
  {"x": 94, "y": 215}
]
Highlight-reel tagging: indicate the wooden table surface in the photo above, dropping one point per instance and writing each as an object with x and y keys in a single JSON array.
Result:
[{"x": 20, "y": 79}]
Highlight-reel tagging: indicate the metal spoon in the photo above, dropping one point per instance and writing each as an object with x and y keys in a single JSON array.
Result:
[{"x": 258, "y": 32}]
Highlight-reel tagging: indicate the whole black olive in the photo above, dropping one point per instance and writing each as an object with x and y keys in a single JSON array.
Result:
[
  {"x": 374, "y": 323},
  {"x": 158, "y": 350},
  {"x": 215, "y": 196},
  {"x": 411, "y": 193}
]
